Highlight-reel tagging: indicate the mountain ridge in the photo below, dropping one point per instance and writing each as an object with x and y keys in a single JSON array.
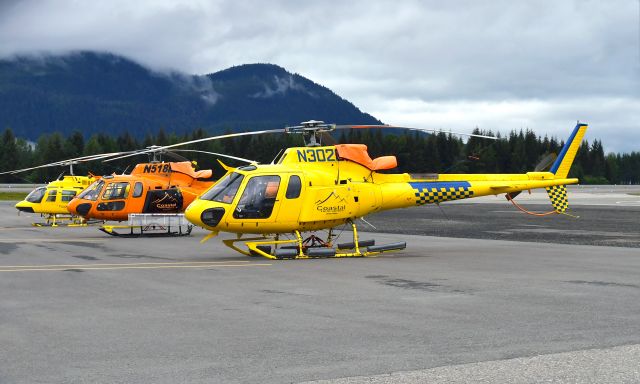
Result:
[{"x": 98, "y": 92}]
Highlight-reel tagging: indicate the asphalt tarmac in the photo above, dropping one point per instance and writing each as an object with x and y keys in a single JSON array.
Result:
[
  {"x": 78, "y": 306},
  {"x": 598, "y": 215}
]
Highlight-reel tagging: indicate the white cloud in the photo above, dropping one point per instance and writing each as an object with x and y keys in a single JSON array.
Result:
[
  {"x": 199, "y": 84},
  {"x": 280, "y": 86},
  {"x": 540, "y": 64},
  {"x": 546, "y": 117}
]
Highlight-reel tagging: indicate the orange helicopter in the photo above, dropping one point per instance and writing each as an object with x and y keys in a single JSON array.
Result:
[{"x": 150, "y": 197}]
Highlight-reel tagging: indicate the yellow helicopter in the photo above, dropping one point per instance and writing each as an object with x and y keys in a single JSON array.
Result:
[
  {"x": 312, "y": 188},
  {"x": 158, "y": 187},
  {"x": 51, "y": 201}
]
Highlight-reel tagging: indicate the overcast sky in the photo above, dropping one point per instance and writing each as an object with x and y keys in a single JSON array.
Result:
[{"x": 453, "y": 65}]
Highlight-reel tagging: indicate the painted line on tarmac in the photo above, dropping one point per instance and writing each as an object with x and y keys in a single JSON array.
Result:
[
  {"x": 16, "y": 228},
  {"x": 121, "y": 264},
  {"x": 52, "y": 240},
  {"x": 136, "y": 267}
]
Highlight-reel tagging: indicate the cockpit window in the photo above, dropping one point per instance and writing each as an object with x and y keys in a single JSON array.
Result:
[
  {"x": 258, "y": 198},
  {"x": 51, "y": 196},
  {"x": 116, "y": 191},
  {"x": 294, "y": 187},
  {"x": 67, "y": 195},
  {"x": 92, "y": 192},
  {"x": 36, "y": 195},
  {"x": 138, "y": 188},
  {"x": 225, "y": 190}
]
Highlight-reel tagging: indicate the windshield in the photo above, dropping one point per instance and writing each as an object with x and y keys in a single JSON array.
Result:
[
  {"x": 36, "y": 195},
  {"x": 116, "y": 191},
  {"x": 92, "y": 192},
  {"x": 225, "y": 190}
]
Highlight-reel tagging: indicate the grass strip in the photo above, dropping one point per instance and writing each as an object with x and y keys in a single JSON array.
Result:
[{"x": 12, "y": 196}]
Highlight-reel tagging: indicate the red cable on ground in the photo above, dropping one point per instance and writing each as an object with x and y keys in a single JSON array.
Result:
[{"x": 529, "y": 212}]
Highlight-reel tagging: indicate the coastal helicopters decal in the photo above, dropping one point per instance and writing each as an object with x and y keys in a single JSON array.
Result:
[{"x": 321, "y": 187}]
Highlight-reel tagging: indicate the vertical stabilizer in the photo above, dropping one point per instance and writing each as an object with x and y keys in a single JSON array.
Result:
[{"x": 563, "y": 163}]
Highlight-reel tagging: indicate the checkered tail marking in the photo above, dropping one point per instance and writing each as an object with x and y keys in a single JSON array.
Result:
[
  {"x": 558, "y": 196},
  {"x": 436, "y": 192}
]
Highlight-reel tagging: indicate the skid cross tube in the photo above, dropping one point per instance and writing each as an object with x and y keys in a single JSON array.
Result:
[
  {"x": 61, "y": 220},
  {"x": 255, "y": 246}
]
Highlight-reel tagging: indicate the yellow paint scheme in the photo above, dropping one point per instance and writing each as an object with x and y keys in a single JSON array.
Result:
[
  {"x": 336, "y": 192},
  {"x": 54, "y": 201}
]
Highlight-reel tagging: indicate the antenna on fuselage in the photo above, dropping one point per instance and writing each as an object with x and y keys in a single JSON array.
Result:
[{"x": 277, "y": 157}]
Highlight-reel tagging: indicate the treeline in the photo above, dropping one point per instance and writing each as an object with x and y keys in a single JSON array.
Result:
[{"x": 520, "y": 151}]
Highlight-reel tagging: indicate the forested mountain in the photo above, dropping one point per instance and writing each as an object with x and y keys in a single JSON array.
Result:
[{"x": 93, "y": 92}]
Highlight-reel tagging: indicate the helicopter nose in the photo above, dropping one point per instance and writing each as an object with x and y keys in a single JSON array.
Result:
[
  {"x": 24, "y": 206},
  {"x": 77, "y": 207},
  {"x": 202, "y": 214}
]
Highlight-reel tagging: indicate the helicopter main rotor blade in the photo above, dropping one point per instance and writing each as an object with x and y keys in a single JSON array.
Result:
[
  {"x": 323, "y": 129},
  {"x": 133, "y": 153},
  {"x": 384, "y": 126},
  {"x": 217, "y": 154},
  {"x": 146, "y": 151},
  {"x": 174, "y": 156},
  {"x": 65, "y": 162},
  {"x": 227, "y": 136}
]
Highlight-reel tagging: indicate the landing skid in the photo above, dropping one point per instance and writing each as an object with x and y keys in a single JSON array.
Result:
[
  {"x": 312, "y": 247},
  {"x": 146, "y": 231},
  {"x": 62, "y": 220}
]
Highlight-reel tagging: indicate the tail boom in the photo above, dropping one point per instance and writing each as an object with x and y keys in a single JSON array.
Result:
[
  {"x": 421, "y": 192},
  {"x": 400, "y": 191}
]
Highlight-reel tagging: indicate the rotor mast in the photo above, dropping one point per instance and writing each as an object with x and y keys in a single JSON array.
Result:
[
  {"x": 155, "y": 151},
  {"x": 312, "y": 131}
]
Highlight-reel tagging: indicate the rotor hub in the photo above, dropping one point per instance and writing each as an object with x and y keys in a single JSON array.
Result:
[{"x": 311, "y": 131}]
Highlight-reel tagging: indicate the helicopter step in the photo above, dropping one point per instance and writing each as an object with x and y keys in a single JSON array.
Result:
[{"x": 151, "y": 225}]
